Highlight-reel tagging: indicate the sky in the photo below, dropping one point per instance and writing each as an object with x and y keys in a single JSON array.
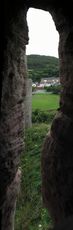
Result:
[{"x": 43, "y": 36}]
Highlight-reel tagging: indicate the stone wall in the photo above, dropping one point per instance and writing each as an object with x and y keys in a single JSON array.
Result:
[
  {"x": 12, "y": 110},
  {"x": 57, "y": 156},
  {"x": 28, "y": 104}
]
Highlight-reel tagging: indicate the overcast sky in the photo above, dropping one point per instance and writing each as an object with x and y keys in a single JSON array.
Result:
[{"x": 43, "y": 36}]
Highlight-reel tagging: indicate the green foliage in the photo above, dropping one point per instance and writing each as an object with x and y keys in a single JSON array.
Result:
[
  {"x": 39, "y": 116},
  {"x": 30, "y": 213},
  {"x": 45, "y": 102},
  {"x": 42, "y": 67},
  {"x": 55, "y": 89}
]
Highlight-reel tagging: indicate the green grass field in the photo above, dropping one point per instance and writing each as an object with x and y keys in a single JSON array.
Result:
[
  {"x": 45, "y": 101},
  {"x": 30, "y": 212}
]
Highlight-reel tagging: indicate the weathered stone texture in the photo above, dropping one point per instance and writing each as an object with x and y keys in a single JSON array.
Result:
[
  {"x": 58, "y": 168},
  {"x": 67, "y": 224},
  {"x": 12, "y": 118},
  {"x": 57, "y": 156},
  {"x": 9, "y": 206},
  {"x": 28, "y": 104}
]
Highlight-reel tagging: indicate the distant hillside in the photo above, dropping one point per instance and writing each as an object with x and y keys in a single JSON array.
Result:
[{"x": 42, "y": 67}]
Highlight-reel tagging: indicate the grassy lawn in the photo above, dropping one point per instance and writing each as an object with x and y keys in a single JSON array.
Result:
[{"x": 45, "y": 101}]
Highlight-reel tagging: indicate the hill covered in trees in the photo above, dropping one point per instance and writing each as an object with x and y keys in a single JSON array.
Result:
[{"x": 42, "y": 67}]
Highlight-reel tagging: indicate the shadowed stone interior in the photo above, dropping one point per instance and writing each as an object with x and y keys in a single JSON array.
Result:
[{"x": 57, "y": 154}]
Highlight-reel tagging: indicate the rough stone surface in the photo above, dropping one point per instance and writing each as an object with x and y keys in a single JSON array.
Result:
[
  {"x": 9, "y": 206},
  {"x": 57, "y": 168},
  {"x": 28, "y": 104},
  {"x": 57, "y": 154},
  {"x": 67, "y": 224},
  {"x": 13, "y": 92}
]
